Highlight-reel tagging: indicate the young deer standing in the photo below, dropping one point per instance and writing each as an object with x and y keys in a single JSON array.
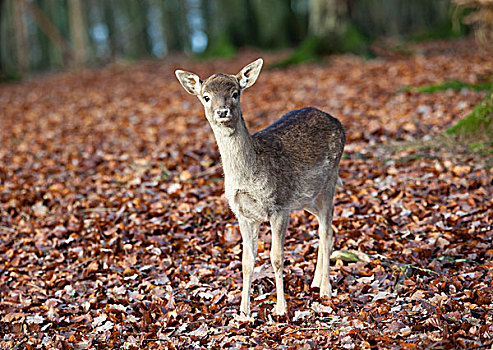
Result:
[{"x": 292, "y": 164}]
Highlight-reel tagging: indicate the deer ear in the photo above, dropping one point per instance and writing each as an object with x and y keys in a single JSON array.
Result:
[
  {"x": 190, "y": 82},
  {"x": 248, "y": 75}
]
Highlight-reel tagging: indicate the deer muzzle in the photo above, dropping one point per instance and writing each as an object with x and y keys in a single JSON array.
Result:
[{"x": 222, "y": 114}]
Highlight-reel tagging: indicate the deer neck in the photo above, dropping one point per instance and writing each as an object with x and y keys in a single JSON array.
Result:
[{"x": 237, "y": 152}]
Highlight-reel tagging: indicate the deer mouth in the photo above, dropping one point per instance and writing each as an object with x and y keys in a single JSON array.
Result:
[
  {"x": 223, "y": 115},
  {"x": 223, "y": 120}
]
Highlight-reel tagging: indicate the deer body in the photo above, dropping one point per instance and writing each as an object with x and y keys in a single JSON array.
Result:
[
  {"x": 292, "y": 164},
  {"x": 261, "y": 175}
]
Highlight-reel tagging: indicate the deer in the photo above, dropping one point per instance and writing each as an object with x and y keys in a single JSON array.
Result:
[{"x": 292, "y": 164}]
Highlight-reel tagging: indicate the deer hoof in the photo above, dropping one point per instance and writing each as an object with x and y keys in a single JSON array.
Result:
[
  {"x": 279, "y": 310},
  {"x": 316, "y": 283},
  {"x": 242, "y": 317},
  {"x": 326, "y": 291}
]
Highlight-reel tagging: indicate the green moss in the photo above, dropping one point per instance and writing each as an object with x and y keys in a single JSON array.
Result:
[
  {"x": 354, "y": 42},
  {"x": 9, "y": 77},
  {"x": 313, "y": 47},
  {"x": 454, "y": 85},
  {"x": 478, "y": 125},
  {"x": 220, "y": 47},
  {"x": 444, "y": 31},
  {"x": 310, "y": 50},
  {"x": 481, "y": 147}
]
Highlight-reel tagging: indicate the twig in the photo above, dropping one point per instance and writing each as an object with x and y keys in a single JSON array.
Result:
[
  {"x": 474, "y": 212},
  {"x": 41, "y": 289},
  {"x": 153, "y": 339},
  {"x": 404, "y": 265},
  {"x": 422, "y": 269},
  {"x": 7, "y": 228},
  {"x": 19, "y": 344},
  {"x": 208, "y": 171},
  {"x": 97, "y": 210},
  {"x": 192, "y": 155},
  {"x": 85, "y": 262},
  {"x": 206, "y": 320},
  {"x": 308, "y": 329},
  {"x": 482, "y": 346}
]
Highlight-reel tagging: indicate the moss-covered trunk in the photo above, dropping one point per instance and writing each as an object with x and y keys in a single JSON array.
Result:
[
  {"x": 328, "y": 21},
  {"x": 478, "y": 125}
]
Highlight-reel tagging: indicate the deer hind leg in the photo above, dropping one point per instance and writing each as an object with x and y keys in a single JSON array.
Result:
[
  {"x": 323, "y": 211},
  {"x": 279, "y": 224},
  {"x": 249, "y": 234}
]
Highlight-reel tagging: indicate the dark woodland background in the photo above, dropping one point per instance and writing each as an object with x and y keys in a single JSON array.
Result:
[{"x": 52, "y": 34}]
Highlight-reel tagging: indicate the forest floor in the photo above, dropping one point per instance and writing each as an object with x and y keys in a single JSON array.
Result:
[{"x": 114, "y": 231}]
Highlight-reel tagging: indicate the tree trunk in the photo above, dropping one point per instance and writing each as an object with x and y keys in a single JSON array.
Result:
[
  {"x": 78, "y": 34},
  {"x": 21, "y": 40},
  {"x": 229, "y": 25},
  {"x": 175, "y": 26},
  {"x": 7, "y": 46},
  {"x": 50, "y": 30},
  {"x": 328, "y": 21},
  {"x": 138, "y": 41},
  {"x": 57, "y": 14},
  {"x": 111, "y": 13},
  {"x": 400, "y": 18},
  {"x": 481, "y": 17},
  {"x": 478, "y": 125},
  {"x": 272, "y": 22},
  {"x": 328, "y": 25}
]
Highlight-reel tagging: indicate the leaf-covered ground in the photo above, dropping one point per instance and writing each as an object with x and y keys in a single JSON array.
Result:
[{"x": 114, "y": 232}]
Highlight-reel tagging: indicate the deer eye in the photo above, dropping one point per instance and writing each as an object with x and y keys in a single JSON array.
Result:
[
  {"x": 207, "y": 98},
  {"x": 235, "y": 95}
]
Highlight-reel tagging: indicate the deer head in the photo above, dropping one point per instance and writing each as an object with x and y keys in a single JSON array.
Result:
[{"x": 220, "y": 93}]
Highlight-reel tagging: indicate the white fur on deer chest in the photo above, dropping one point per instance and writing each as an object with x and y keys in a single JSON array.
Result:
[{"x": 248, "y": 201}]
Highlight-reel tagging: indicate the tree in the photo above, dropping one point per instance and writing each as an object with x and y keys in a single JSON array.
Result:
[
  {"x": 51, "y": 31},
  {"x": 20, "y": 31},
  {"x": 53, "y": 52},
  {"x": 272, "y": 20},
  {"x": 78, "y": 35},
  {"x": 329, "y": 31},
  {"x": 14, "y": 52},
  {"x": 328, "y": 21},
  {"x": 228, "y": 25},
  {"x": 481, "y": 17},
  {"x": 138, "y": 40},
  {"x": 174, "y": 25},
  {"x": 478, "y": 125}
]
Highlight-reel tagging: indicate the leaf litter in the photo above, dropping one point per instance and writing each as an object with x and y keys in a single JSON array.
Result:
[{"x": 114, "y": 232}]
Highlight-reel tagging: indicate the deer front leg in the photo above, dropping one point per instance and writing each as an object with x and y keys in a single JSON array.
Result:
[
  {"x": 279, "y": 224},
  {"x": 249, "y": 234}
]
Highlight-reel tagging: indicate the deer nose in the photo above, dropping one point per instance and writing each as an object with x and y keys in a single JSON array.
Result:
[{"x": 222, "y": 112}]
